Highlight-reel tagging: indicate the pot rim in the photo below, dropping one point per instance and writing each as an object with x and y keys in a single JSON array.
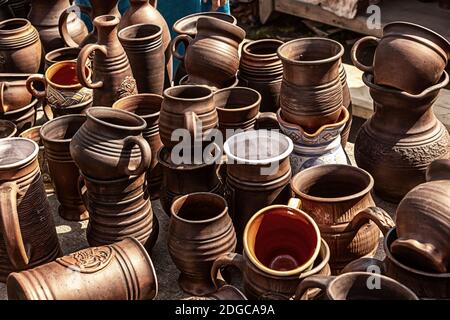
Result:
[
  {"x": 178, "y": 25},
  {"x": 155, "y": 35},
  {"x": 91, "y": 110},
  {"x": 184, "y": 81},
  {"x": 359, "y": 194},
  {"x": 50, "y": 55},
  {"x": 311, "y": 62},
  {"x": 11, "y": 125},
  {"x": 280, "y": 157},
  {"x": 55, "y": 121},
  {"x": 222, "y": 26},
  {"x": 24, "y": 161},
  {"x": 26, "y": 25},
  {"x": 195, "y": 194},
  {"x": 256, "y": 42},
  {"x": 240, "y": 109},
  {"x": 186, "y": 167},
  {"x": 296, "y": 271},
  {"x": 107, "y": 20},
  {"x": 63, "y": 86},
  {"x": 168, "y": 92},
  {"x": 140, "y": 98}
]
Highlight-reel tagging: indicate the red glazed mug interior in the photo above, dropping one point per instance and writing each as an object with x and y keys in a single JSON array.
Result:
[{"x": 282, "y": 240}]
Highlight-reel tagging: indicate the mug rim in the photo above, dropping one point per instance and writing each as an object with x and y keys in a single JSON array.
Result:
[
  {"x": 240, "y": 109},
  {"x": 63, "y": 86},
  {"x": 220, "y": 215},
  {"x": 24, "y": 161}
]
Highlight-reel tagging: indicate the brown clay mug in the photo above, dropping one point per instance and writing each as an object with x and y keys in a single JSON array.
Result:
[
  {"x": 7, "y": 129},
  {"x": 62, "y": 88},
  {"x": 13, "y": 92},
  {"x": 357, "y": 286}
]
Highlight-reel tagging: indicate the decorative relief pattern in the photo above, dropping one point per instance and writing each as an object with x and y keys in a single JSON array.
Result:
[
  {"x": 88, "y": 260},
  {"x": 127, "y": 88}
]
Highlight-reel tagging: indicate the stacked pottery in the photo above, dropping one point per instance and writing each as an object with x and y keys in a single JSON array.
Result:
[
  {"x": 339, "y": 200},
  {"x": 403, "y": 136},
  {"x": 113, "y": 157},
  {"x": 261, "y": 69}
]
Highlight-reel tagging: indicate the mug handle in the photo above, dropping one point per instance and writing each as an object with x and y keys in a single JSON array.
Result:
[
  {"x": 81, "y": 184},
  {"x": 31, "y": 89},
  {"x": 190, "y": 122},
  {"x": 355, "y": 49},
  {"x": 267, "y": 117},
  {"x": 146, "y": 154},
  {"x": 312, "y": 282},
  {"x": 227, "y": 259},
  {"x": 362, "y": 265},
  {"x": 375, "y": 214},
  {"x": 62, "y": 24},
  {"x": 81, "y": 65},
  {"x": 10, "y": 225},
  {"x": 295, "y": 203},
  {"x": 186, "y": 39}
]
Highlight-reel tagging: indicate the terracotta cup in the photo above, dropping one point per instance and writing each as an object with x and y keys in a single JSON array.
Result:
[
  {"x": 200, "y": 231},
  {"x": 357, "y": 286},
  {"x": 121, "y": 271},
  {"x": 13, "y": 92},
  {"x": 7, "y": 129},
  {"x": 28, "y": 234},
  {"x": 56, "y": 136},
  {"x": 62, "y": 88},
  {"x": 61, "y": 54}
]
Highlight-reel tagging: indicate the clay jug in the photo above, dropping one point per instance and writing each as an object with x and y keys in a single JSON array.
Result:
[
  {"x": 97, "y": 9},
  {"x": 144, "y": 11},
  {"x": 44, "y": 15},
  {"x": 112, "y": 76}
]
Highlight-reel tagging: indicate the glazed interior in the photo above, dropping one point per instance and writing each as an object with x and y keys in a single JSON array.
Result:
[
  {"x": 281, "y": 239},
  {"x": 140, "y": 31},
  {"x": 236, "y": 98},
  {"x": 311, "y": 49},
  {"x": 15, "y": 151},
  {"x": 331, "y": 182},
  {"x": 62, "y": 128},
  {"x": 199, "y": 207},
  {"x": 64, "y": 74}
]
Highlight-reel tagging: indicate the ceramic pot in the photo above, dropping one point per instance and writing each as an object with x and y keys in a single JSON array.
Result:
[
  {"x": 119, "y": 209},
  {"x": 97, "y": 8},
  {"x": 401, "y": 138},
  {"x": 56, "y": 136},
  {"x": 144, "y": 11},
  {"x": 20, "y": 8},
  {"x": 353, "y": 286},
  {"x": 7, "y": 129},
  {"x": 147, "y": 106},
  {"x": 109, "y": 145},
  {"x": 144, "y": 48},
  {"x": 27, "y": 221},
  {"x": 181, "y": 178},
  {"x": 422, "y": 52},
  {"x": 426, "y": 285},
  {"x": 261, "y": 285},
  {"x": 257, "y": 174},
  {"x": 44, "y": 15},
  {"x": 61, "y": 86},
  {"x": 51, "y": 112},
  {"x": 338, "y": 198},
  {"x": 5, "y": 11},
  {"x": 20, "y": 47},
  {"x": 34, "y": 134},
  {"x": 318, "y": 148},
  {"x": 438, "y": 170},
  {"x": 212, "y": 57},
  {"x": 424, "y": 248},
  {"x": 62, "y": 54},
  {"x": 200, "y": 231},
  {"x": 225, "y": 292},
  {"x": 111, "y": 75},
  {"x": 261, "y": 69},
  {"x": 13, "y": 92},
  {"x": 101, "y": 273},
  {"x": 24, "y": 118},
  {"x": 189, "y": 107}
]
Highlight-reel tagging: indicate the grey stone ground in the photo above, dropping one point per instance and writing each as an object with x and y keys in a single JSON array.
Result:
[{"x": 72, "y": 238}]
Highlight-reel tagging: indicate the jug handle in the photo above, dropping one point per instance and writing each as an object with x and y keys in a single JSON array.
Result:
[
  {"x": 62, "y": 23},
  {"x": 375, "y": 214},
  {"x": 186, "y": 39},
  {"x": 31, "y": 89},
  {"x": 146, "y": 154},
  {"x": 227, "y": 259},
  {"x": 268, "y": 117},
  {"x": 355, "y": 49},
  {"x": 190, "y": 122},
  {"x": 10, "y": 225},
  {"x": 81, "y": 65},
  {"x": 312, "y": 282}
]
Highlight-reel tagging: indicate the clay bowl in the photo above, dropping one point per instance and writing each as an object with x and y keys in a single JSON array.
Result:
[{"x": 7, "y": 129}]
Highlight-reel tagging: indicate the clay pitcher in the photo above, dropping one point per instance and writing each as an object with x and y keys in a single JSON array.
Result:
[
  {"x": 144, "y": 11},
  {"x": 44, "y": 15},
  {"x": 28, "y": 234},
  {"x": 112, "y": 77}
]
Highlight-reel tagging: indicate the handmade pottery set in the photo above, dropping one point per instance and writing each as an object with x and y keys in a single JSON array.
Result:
[{"x": 283, "y": 206}]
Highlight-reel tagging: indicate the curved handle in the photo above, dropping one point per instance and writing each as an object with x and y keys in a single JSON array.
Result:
[
  {"x": 295, "y": 203},
  {"x": 312, "y": 282},
  {"x": 146, "y": 154},
  {"x": 81, "y": 193},
  {"x": 227, "y": 259},
  {"x": 2, "y": 102},
  {"x": 190, "y": 122},
  {"x": 381, "y": 218},
  {"x": 186, "y": 39},
  {"x": 12, "y": 235},
  {"x": 267, "y": 120},
  {"x": 81, "y": 65},
  {"x": 62, "y": 24},
  {"x": 39, "y": 78},
  {"x": 363, "y": 265},
  {"x": 354, "y": 52}
]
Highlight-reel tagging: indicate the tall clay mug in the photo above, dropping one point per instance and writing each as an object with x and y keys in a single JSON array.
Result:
[
  {"x": 62, "y": 88},
  {"x": 282, "y": 240}
]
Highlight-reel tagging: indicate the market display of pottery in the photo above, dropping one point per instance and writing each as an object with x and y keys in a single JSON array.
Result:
[{"x": 243, "y": 147}]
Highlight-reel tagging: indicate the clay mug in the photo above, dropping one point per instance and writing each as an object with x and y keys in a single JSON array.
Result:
[
  {"x": 62, "y": 88},
  {"x": 7, "y": 129},
  {"x": 357, "y": 286},
  {"x": 14, "y": 94},
  {"x": 408, "y": 57}
]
